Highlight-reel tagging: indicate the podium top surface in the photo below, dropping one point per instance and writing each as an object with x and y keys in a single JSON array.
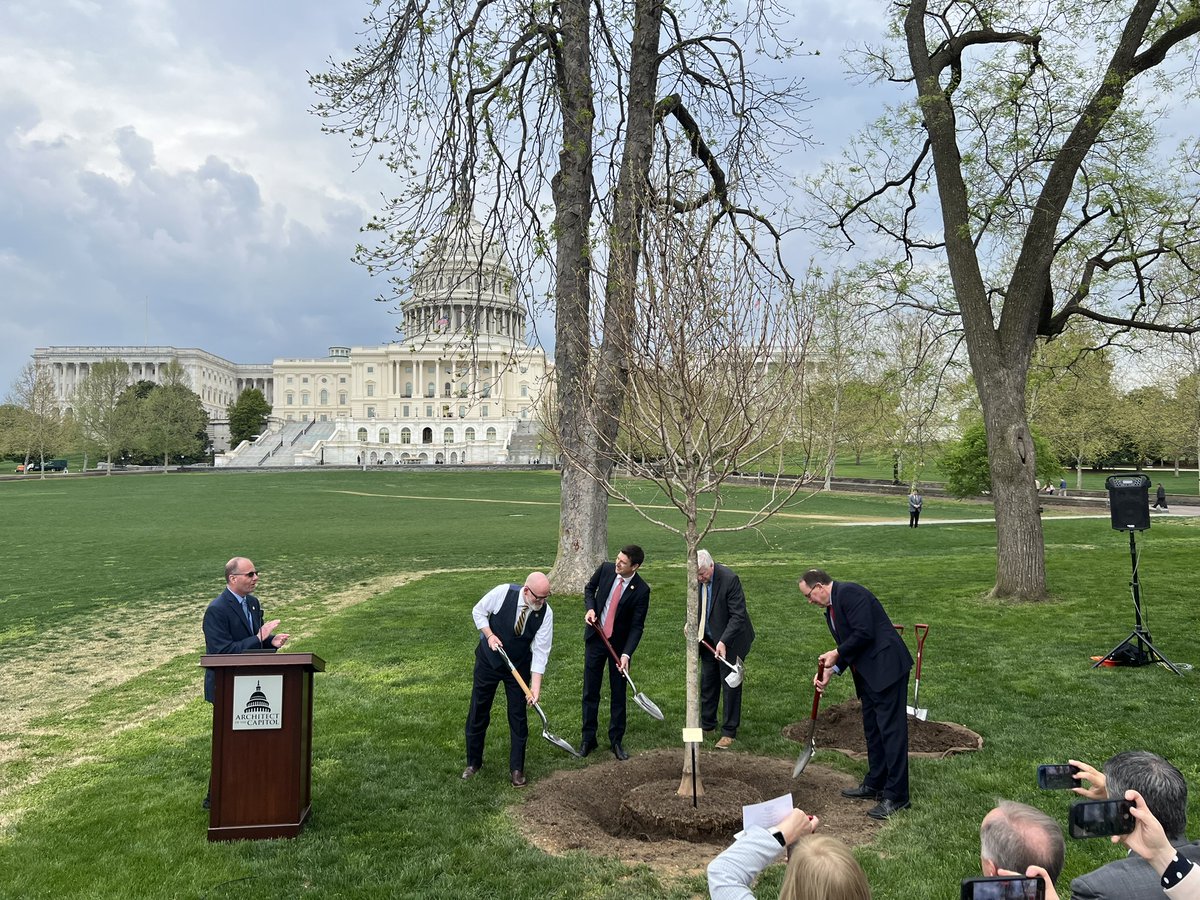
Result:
[{"x": 262, "y": 659}]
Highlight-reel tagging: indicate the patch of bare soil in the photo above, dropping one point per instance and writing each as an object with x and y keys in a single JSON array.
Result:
[
  {"x": 630, "y": 809},
  {"x": 840, "y": 728}
]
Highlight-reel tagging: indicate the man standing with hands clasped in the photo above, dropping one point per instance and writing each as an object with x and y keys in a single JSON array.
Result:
[
  {"x": 233, "y": 623},
  {"x": 617, "y": 600},
  {"x": 869, "y": 646},
  {"x": 725, "y": 625}
]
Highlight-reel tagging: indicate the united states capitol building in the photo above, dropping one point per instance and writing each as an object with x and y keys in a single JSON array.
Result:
[{"x": 461, "y": 386}]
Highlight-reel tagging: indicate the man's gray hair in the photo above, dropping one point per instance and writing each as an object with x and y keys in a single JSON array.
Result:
[
  {"x": 704, "y": 559},
  {"x": 1022, "y": 836},
  {"x": 1161, "y": 785}
]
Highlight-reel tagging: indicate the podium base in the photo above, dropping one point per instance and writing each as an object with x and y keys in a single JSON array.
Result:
[{"x": 259, "y": 832}]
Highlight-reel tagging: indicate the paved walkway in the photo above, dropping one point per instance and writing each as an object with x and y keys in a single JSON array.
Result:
[{"x": 1176, "y": 512}]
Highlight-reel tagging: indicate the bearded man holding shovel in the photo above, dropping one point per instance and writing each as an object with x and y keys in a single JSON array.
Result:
[
  {"x": 868, "y": 645},
  {"x": 519, "y": 619}
]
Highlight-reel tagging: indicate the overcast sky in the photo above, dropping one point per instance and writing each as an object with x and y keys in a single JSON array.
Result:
[{"x": 162, "y": 181}]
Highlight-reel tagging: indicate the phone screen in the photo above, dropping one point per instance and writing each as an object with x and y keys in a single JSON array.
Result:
[
  {"x": 1003, "y": 887},
  {"x": 1057, "y": 777},
  {"x": 1101, "y": 818}
]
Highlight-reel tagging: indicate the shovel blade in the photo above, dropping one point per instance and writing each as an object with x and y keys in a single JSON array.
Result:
[
  {"x": 733, "y": 679},
  {"x": 802, "y": 762},
  {"x": 922, "y": 714},
  {"x": 648, "y": 705},
  {"x": 559, "y": 742}
]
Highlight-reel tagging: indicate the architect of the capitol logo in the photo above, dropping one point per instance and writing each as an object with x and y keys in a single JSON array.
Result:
[{"x": 260, "y": 701}]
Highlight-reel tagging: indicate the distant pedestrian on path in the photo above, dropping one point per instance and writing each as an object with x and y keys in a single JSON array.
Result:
[
  {"x": 1160, "y": 498},
  {"x": 914, "y": 507},
  {"x": 1062, "y": 486}
]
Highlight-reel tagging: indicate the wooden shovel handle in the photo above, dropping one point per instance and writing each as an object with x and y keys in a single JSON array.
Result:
[{"x": 816, "y": 693}]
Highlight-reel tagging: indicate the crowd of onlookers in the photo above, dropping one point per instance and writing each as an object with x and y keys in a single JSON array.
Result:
[{"x": 1015, "y": 840}]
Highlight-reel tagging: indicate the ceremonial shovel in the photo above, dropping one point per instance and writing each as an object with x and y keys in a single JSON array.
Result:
[
  {"x": 802, "y": 762},
  {"x": 734, "y": 678},
  {"x": 914, "y": 710},
  {"x": 554, "y": 739},
  {"x": 638, "y": 697}
]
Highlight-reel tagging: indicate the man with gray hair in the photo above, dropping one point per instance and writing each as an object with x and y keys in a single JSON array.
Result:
[
  {"x": 725, "y": 625},
  {"x": 1164, "y": 790},
  {"x": 1015, "y": 836}
]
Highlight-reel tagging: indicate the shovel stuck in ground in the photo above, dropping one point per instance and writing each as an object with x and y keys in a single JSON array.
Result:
[
  {"x": 552, "y": 738},
  {"x": 734, "y": 678},
  {"x": 807, "y": 755},
  {"x": 915, "y": 710},
  {"x": 638, "y": 697}
]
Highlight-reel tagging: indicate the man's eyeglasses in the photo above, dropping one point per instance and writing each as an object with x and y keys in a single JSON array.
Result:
[
  {"x": 253, "y": 573},
  {"x": 538, "y": 597}
]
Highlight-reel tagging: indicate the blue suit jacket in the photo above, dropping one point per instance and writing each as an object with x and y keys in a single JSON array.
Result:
[
  {"x": 865, "y": 637},
  {"x": 227, "y": 631},
  {"x": 631, "y": 611}
]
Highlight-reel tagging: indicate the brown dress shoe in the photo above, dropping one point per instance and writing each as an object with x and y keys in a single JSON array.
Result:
[
  {"x": 470, "y": 771},
  {"x": 518, "y": 778},
  {"x": 725, "y": 743}
]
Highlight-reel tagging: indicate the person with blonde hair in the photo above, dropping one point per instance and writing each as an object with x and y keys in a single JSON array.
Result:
[{"x": 820, "y": 867}]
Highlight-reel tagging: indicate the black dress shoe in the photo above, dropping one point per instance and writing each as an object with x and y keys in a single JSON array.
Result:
[
  {"x": 885, "y": 808},
  {"x": 207, "y": 804},
  {"x": 587, "y": 747},
  {"x": 469, "y": 772},
  {"x": 518, "y": 778},
  {"x": 862, "y": 792},
  {"x": 619, "y": 751}
]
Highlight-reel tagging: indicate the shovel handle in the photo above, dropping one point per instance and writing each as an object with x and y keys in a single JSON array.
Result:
[
  {"x": 816, "y": 693},
  {"x": 713, "y": 650},
  {"x": 920, "y": 631},
  {"x": 899, "y": 629},
  {"x": 607, "y": 642},
  {"x": 516, "y": 675}
]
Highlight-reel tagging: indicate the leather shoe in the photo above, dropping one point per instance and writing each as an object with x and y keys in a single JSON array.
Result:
[
  {"x": 862, "y": 792},
  {"x": 724, "y": 743},
  {"x": 470, "y": 771},
  {"x": 619, "y": 751},
  {"x": 587, "y": 747},
  {"x": 885, "y": 808},
  {"x": 518, "y": 778}
]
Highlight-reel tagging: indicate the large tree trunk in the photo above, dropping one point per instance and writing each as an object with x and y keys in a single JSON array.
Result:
[
  {"x": 1020, "y": 546},
  {"x": 583, "y": 510}
]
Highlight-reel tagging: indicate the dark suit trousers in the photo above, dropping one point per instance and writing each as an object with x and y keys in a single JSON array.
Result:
[
  {"x": 594, "y": 657},
  {"x": 714, "y": 688},
  {"x": 885, "y": 724},
  {"x": 483, "y": 690}
]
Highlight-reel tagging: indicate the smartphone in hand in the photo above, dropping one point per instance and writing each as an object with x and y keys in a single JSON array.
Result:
[
  {"x": 1057, "y": 777},
  {"x": 1003, "y": 887},
  {"x": 1101, "y": 818}
]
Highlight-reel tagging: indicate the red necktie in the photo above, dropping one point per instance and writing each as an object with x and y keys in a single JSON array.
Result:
[{"x": 610, "y": 611}]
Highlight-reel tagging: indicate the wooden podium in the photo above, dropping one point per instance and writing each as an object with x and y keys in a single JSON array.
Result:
[{"x": 261, "y": 744}]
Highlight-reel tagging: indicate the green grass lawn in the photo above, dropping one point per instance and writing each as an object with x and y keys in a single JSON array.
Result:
[{"x": 104, "y": 736}]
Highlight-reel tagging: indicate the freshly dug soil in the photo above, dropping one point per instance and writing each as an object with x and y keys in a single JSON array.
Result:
[
  {"x": 630, "y": 810},
  {"x": 840, "y": 728}
]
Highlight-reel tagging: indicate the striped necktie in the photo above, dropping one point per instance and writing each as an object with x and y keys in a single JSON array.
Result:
[{"x": 521, "y": 619}]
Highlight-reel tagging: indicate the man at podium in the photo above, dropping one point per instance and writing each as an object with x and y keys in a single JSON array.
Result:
[{"x": 233, "y": 623}]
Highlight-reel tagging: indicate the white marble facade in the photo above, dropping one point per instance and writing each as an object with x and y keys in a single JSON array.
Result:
[{"x": 456, "y": 388}]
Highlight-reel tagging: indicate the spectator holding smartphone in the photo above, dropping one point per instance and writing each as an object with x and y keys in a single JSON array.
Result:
[{"x": 1162, "y": 792}]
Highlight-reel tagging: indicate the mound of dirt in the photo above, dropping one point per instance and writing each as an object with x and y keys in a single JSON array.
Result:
[
  {"x": 630, "y": 810},
  {"x": 840, "y": 728}
]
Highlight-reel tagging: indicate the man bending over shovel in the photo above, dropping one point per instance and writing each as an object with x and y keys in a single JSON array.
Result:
[
  {"x": 870, "y": 648},
  {"x": 519, "y": 619}
]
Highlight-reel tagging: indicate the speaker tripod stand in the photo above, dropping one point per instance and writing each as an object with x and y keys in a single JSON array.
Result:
[{"x": 1138, "y": 649}]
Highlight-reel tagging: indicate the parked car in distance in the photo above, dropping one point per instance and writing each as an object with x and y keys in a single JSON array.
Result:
[{"x": 51, "y": 465}]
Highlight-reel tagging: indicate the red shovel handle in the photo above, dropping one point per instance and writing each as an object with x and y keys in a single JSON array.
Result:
[
  {"x": 817, "y": 694},
  {"x": 920, "y": 631},
  {"x": 607, "y": 643},
  {"x": 899, "y": 629}
]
